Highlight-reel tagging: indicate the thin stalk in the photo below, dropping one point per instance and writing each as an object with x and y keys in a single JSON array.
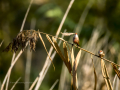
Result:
[
  {"x": 23, "y": 23},
  {"x": 54, "y": 84},
  {"x": 15, "y": 83},
  {"x": 1, "y": 43}
]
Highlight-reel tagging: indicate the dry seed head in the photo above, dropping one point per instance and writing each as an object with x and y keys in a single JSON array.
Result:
[{"x": 21, "y": 40}]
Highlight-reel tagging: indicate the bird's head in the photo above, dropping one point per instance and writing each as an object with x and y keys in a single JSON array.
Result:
[
  {"x": 100, "y": 52},
  {"x": 75, "y": 33}
]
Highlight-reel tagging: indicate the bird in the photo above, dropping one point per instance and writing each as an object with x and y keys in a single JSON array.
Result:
[
  {"x": 101, "y": 53},
  {"x": 76, "y": 39}
]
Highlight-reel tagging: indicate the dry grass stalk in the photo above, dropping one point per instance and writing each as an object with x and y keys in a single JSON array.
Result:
[
  {"x": 54, "y": 84},
  {"x": 105, "y": 75},
  {"x": 28, "y": 59},
  {"x": 51, "y": 43},
  {"x": 116, "y": 70},
  {"x": 95, "y": 75},
  {"x": 23, "y": 23},
  {"x": 58, "y": 49},
  {"x": 10, "y": 72},
  {"x": 67, "y": 34},
  {"x": 15, "y": 83},
  {"x": 64, "y": 17},
  {"x": 8, "y": 78},
  {"x": 45, "y": 49},
  {"x": 35, "y": 81},
  {"x": 28, "y": 68}
]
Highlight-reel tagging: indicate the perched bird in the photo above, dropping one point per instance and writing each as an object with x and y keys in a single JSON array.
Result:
[
  {"x": 76, "y": 39},
  {"x": 101, "y": 53}
]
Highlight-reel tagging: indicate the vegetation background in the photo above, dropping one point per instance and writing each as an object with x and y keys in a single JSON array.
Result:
[{"x": 46, "y": 16}]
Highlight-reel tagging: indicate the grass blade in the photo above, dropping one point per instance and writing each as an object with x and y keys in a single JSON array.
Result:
[
  {"x": 51, "y": 43},
  {"x": 15, "y": 83},
  {"x": 54, "y": 84},
  {"x": 78, "y": 58},
  {"x": 46, "y": 49}
]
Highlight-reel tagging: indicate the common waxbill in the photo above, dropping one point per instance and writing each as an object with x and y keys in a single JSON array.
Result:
[
  {"x": 76, "y": 39},
  {"x": 101, "y": 53}
]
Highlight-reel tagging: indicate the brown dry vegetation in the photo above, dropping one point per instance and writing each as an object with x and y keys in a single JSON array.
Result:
[{"x": 83, "y": 68}]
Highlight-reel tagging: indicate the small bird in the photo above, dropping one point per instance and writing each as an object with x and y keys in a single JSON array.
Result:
[
  {"x": 101, "y": 53},
  {"x": 76, "y": 39}
]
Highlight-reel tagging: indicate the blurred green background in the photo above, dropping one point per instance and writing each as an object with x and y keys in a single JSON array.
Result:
[{"x": 46, "y": 16}]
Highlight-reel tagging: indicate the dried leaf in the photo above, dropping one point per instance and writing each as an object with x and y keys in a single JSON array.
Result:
[
  {"x": 62, "y": 39},
  {"x": 105, "y": 75},
  {"x": 46, "y": 49},
  {"x": 67, "y": 34},
  {"x": 78, "y": 58},
  {"x": 66, "y": 56},
  {"x": 58, "y": 49},
  {"x": 116, "y": 70},
  {"x": 51, "y": 43},
  {"x": 75, "y": 82},
  {"x": 65, "y": 52}
]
